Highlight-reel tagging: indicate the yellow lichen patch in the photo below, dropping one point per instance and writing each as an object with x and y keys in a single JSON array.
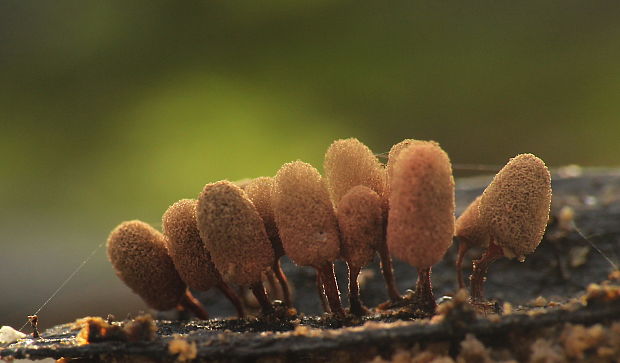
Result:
[
  {"x": 443, "y": 359},
  {"x": 536, "y": 311},
  {"x": 95, "y": 329},
  {"x": 182, "y": 348},
  {"x": 540, "y": 302},
  {"x": 494, "y": 318},
  {"x": 141, "y": 329},
  {"x": 473, "y": 351},
  {"x": 573, "y": 343},
  {"x": 507, "y": 308},
  {"x": 417, "y": 355},
  {"x": 376, "y": 325},
  {"x": 573, "y": 304},
  {"x": 543, "y": 351},
  {"x": 603, "y": 292},
  {"x": 438, "y": 319},
  {"x": 614, "y": 275},
  {"x": 305, "y": 331},
  {"x": 605, "y": 352},
  {"x": 301, "y": 330},
  {"x": 576, "y": 339}
]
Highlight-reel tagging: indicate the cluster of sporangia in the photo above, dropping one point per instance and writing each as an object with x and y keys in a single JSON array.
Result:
[{"x": 236, "y": 234}]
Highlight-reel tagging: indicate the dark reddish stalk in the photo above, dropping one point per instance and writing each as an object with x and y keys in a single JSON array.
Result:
[
  {"x": 330, "y": 285},
  {"x": 463, "y": 248},
  {"x": 356, "y": 306},
  {"x": 388, "y": 272},
  {"x": 232, "y": 297},
  {"x": 319, "y": 285},
  {"x": 272, "y": 285},
  {"x": 190, "y": 303},
  {"x": 271, "y": 281},
  {"x": 424, "y": 291},
  {"x": 386, "y": 265},
  {"x": 481, "y": 267},
  {"x": 261, "y": 296},
  {"x": 286, "y": 293}
]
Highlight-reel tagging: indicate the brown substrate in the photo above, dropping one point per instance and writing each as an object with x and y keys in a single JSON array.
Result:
[
  {"x": 374, "y": 337},
  {"x": 567, "y": 324}
]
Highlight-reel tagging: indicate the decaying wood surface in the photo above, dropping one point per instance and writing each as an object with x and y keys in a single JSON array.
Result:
[{"x": 561, "y": 268}]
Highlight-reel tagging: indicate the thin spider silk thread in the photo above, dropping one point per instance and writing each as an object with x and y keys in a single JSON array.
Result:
[
  {"x": 612, "y": 263},
  {"x": 64, "y": 283}
]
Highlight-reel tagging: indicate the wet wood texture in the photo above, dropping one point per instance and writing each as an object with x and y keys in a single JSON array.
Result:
[{"x": 561, "y": 268}]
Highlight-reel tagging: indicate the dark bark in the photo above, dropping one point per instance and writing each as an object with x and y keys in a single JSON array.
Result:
[{"x": 552, "y": 271}]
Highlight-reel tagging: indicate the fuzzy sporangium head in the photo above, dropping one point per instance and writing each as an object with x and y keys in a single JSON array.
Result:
[
  {"x": 259, "y": 191},
  {"x": 393, "y": 156},
  {"x": 469, "y": 227},
  {"x": 233, "y": 233},
  {"x": 421, "y": 217},
  {"x": 515, "y": 206},
  {"x": 395, "y": 151},
  {"x": 348, "y": 162},
  {"x": 305, "y": 215},
  {"x": 188, "y": 252},
  {"x": 361, "y": 225},
  {"x": 138, "y": 254}
]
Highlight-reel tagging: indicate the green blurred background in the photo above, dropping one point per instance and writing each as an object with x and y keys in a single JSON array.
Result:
[{"x": 114, "y": 110}]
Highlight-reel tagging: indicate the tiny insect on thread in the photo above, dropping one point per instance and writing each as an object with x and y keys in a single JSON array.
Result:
[
  {"x": 34, "y": 321},
  {"x": 64, "y": 283}
]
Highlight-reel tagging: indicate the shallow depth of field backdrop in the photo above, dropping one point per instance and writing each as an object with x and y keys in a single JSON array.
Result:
[{"x": 114, "y": 110}]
